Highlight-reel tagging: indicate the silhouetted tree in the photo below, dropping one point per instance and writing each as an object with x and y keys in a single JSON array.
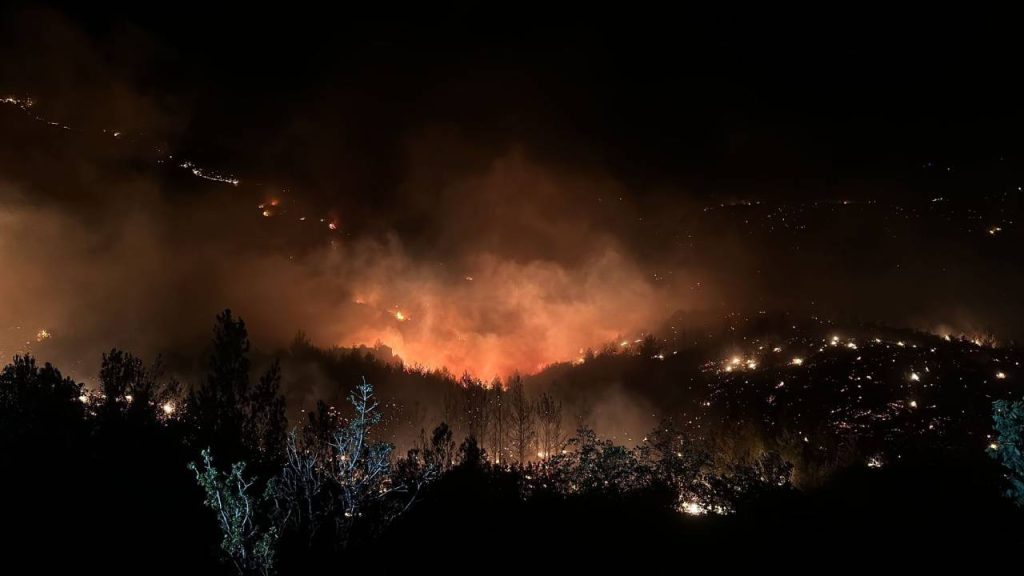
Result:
[
  {"x": 593, "y": 465},
  {"x": 499, "y": 420},
  {"x": 474, "y": 410},
  {"x": 38, "y": 406},
  {"x": 521, "y": 419},
  {"x": 439, "y": 452},
  {"x": 265, "y": 425},
  {"x": 131, "y": 391},
  {"x": 649, "y": 347},
  {"x": 241, "y": 420},
  {"x": 549, "y": 425},
  {"x": 675, "y": 459},
  {"x": 471, "y": 455}
]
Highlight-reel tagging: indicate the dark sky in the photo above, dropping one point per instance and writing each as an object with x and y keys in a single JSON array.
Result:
[{"x": 652, "y": 96}]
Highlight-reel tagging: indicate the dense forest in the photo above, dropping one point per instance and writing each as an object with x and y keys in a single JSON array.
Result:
[{"x": 146, "y": 473}]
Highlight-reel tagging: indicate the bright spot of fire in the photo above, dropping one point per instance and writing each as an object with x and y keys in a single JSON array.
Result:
[
  {"x": 915, "y": 376},
  {"x": 1001, "y": 375},
  {"x": 168, "y": 408},
  {"x": 693, "y": 508},
  {"x": 400, "y": 316},
  {"x": 913, "y": 404},
  {"x": 43, "y": 334},
  {"x": 332, "y": 226},
  {"x": 797, "y": 361}
]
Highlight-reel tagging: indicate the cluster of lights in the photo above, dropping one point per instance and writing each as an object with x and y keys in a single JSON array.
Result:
[{"x": 208, "y": 175}]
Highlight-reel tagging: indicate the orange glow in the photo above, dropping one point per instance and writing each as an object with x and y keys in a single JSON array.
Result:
[{"x": 510, "y": 318}]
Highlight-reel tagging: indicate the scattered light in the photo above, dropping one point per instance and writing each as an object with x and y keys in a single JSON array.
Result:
[
  {"x": 43, "y": 334},
  {"x": 797, "y": 361},
  {"x": 1001, "y": 375},
  {"x": 168, "y": 408}
]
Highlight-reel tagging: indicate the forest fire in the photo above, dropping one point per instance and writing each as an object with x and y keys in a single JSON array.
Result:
[{"x": 315, "y": 294}]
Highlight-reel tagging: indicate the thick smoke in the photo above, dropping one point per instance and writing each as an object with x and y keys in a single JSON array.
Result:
[{"x": 150, "y": 274}]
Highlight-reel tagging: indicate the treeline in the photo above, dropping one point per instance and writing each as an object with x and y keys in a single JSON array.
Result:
[
  {"x": 145, "y": 474},
  {"x": 113, "y": 464}
]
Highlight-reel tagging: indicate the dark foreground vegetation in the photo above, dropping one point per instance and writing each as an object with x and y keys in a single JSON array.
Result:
[{"x": 147, "y": 475}]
